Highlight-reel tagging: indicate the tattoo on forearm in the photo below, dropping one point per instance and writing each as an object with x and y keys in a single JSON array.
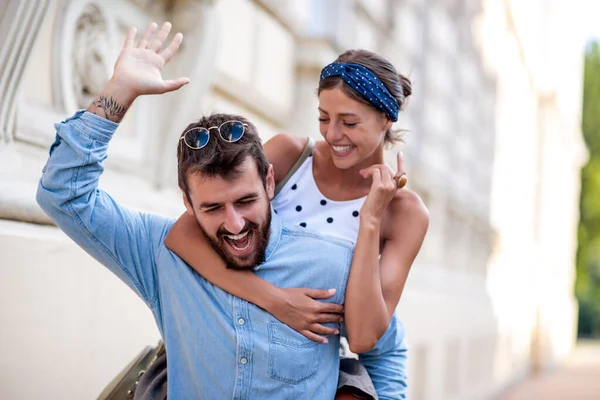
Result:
[{"x": 111, "y": 108}]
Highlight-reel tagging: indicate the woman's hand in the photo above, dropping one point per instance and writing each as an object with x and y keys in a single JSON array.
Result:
[
  {"x": 298, "y": 309},
  {"x": 139, "y": 67},
  {"x": 385, "y": 184}
]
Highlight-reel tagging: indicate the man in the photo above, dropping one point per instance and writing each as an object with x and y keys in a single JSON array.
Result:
[{"x": 219, "y": 346}]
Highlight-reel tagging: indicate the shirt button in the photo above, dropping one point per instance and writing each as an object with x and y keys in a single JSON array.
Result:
[
  {"x": 244, "y": 360},
  {"x": 241, "y": 321}
]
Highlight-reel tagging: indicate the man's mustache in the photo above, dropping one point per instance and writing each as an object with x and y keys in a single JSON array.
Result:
[{"x": 247, "y": 226}]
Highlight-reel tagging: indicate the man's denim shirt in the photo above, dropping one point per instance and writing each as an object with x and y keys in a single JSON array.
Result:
[{"x": 218, "y": 346}]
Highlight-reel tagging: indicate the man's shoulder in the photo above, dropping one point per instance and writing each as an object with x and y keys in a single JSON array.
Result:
[
  {"x": 159, "y": 227},
  {"x": 299, "y": 235}
]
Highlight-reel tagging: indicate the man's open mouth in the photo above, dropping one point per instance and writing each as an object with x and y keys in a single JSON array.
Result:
[{"x": 240, "y": 243}]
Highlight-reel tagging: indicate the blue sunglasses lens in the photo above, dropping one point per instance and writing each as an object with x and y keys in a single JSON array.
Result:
[
  {"x": 196, "y": 138},
  {"x": 232, "y": 131}
]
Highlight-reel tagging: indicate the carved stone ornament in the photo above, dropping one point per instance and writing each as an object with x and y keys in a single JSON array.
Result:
[
  {"x": 152, "y": 7},
  {"x": 86, "y": 49},
  {"x": 185, "y": 14},
  {"x": 92, "y": 58}
]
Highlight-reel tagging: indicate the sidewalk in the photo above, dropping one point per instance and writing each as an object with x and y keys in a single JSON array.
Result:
[{"x": 577, "y": 379}]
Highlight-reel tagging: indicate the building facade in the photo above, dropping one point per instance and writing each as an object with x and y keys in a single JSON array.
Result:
[{"x": 494, "y": 149}]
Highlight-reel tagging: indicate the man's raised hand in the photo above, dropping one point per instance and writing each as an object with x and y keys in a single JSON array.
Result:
[
  {"x": 139, "y": 68},
  {"x": 138, "y": 71}
]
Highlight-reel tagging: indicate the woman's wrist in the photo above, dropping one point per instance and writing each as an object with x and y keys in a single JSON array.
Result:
[
  {"x": 370, "y": 222},
  {"x": 270, "y": 297}
]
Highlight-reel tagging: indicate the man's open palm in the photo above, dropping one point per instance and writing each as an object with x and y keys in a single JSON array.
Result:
[{"x": 139, "y": 68}]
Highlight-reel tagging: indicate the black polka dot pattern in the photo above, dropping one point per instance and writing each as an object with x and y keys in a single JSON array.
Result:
[
  {"x": 298, "y": 208},
  {"x": 330, "y": 220},
  {"x": 294, "y": 187},
  {"x": 355, "y": 213},
  {"x": 275, "y": 211},
  {"x": 323, "y": 202},
  {"x": 303, "y": 224}
]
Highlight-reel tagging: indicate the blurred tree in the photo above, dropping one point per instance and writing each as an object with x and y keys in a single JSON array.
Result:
[{"x": 587, "y": 287}]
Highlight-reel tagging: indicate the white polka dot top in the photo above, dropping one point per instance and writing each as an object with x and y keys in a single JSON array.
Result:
[{"x": 300, "y": 202}]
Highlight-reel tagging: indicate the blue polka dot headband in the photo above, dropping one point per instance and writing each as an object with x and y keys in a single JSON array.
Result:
[{"x": 367, "y": 84}]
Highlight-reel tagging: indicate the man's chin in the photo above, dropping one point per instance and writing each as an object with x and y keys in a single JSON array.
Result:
[
  {"x": 239, "y": 267},
  {"x": 246, "y": 262}
]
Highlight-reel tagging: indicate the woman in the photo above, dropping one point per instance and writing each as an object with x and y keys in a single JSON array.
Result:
[{"x": 344, "y": 189}]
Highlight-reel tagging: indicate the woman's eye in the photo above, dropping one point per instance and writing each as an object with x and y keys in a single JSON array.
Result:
[
  {"x": 350, "y": 124},
  {"x": 323, "y": 120}
]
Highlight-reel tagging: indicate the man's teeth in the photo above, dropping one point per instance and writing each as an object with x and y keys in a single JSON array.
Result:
[
  {"x": 341, "y": 149},
  {"x": 238, "y": 237},
  {"x": 235, "y": 238}
]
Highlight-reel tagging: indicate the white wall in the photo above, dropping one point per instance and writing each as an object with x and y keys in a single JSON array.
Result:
[{"x": 68, "y": 326}]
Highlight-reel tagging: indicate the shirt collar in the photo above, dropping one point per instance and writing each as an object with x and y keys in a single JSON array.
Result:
[{"x": 274, "y": 235}]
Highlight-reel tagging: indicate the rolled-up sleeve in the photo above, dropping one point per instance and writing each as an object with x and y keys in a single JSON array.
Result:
[
  {"x": 386, "y": 363},
  {"x": 121, "y": 239}
]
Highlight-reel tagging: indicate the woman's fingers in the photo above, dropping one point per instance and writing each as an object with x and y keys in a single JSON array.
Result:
[
  {"x": 383, "y": 188},
  {"x": 147, "y": 36},
  {"x": 387, "y": 178},
  {"x": 382, "y": 175},
  {"x": 322, "y": 307},
  {"x": 383, "y": 169},
  {"x": 390, "y": 180},
  {"x": 400, "y": 163},
  {"x": 375, "y": 174},
  {"x": 320, "y": 293},
  {"x": 323, "y": 330},
  {"x": 400, "y": 176},
  {"x": 328, "y": 317},
  {"x": 160, "y": 38},
  {"x": 330, "y": 308},
  {"x": 314, "y": 337}
]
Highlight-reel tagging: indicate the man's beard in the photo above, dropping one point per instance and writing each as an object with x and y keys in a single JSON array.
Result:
[{"x": 260, "y": 236}]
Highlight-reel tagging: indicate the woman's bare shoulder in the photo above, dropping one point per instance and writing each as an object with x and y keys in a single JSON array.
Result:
[
  {"x": 283, "y": 150},
  {"x": 407, "y": 211},
  {"x": 407, "y": 201}
]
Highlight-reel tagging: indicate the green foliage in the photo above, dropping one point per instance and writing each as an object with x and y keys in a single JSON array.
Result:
[{"x": 587, "y": 287}]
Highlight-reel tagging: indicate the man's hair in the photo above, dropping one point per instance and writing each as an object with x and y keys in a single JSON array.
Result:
[{"x": 218, "y": 157}]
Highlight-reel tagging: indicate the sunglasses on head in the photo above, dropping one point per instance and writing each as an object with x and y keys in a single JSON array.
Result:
[{"x": 230, "y": 131}]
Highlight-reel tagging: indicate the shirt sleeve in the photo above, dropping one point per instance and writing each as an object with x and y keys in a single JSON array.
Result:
[
  {"x": 123, "y": 240},
  {"x": 386, "y": 363}
]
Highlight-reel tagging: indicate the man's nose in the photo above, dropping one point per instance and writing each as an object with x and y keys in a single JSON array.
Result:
[{"x": 234, "y": 222}]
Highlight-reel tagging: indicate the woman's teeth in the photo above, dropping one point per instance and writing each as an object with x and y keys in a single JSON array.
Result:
[{"x": 341, "y": 149}]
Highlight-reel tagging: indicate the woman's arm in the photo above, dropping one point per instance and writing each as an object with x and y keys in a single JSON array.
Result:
[
  {"x": 294, "y": 307},
  {"x": 375, "y": 284}
]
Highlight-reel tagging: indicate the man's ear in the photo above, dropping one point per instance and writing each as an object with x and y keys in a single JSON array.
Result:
[
  {"x": 270, "y": 183},
  {"x": 188, "y": 206}
]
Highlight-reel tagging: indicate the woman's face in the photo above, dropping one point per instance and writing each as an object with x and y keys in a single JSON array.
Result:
[{"x": 353, "y": 130}]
